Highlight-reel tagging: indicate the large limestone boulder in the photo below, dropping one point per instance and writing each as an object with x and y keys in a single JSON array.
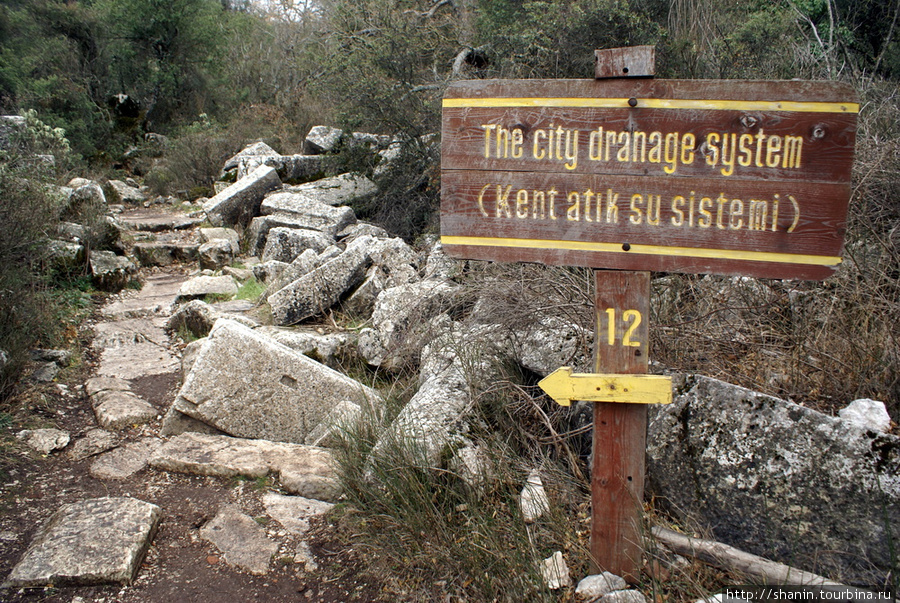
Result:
[
  {"x": 285, "y": 244},
  {"x": 240, "y": 202},
  {"x": 435, "y": 418},
  {"x": 260, "y": 227},
  {"x": 321, "y": 140},
  {"x": 215, "y": 255},
  {"x": 397, "y": 260},
  {"x": 308, "y": 199},
  {"x": 87, "y": 197},
  {"x": 327, "y": 348},
  {"x": 111, "y": 272},
  {"x": 336, "y": 190},
  {"x": 290, "y": 168},
  {"x": 198, "y": 317},
  {"x": 256, "y": 149},
  {"x": 321, "y": 288},
  {"x": 201, "y": 286},
  {"x": 162, "y": 253},
  {"x": 230, "y": 235},
  {"x": 307, "y": 211},
  {"x": 302, "y": 264},
  {"x": 248, "y": 385},
  {"x": 778, "y": 479},
  {"x": 402, "y": 322},
  {"x": 11, "y": 127},
  {"x": 551, "y": 342},
  {"x": 65, "y": 256},
  {"x": 120, "y": 192}
]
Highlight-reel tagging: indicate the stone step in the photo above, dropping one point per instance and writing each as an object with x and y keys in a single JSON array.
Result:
[
  {"x": 154, "y": 298},
  {"x": 304, "y": 470},
  {"x": 93, "y": 541},
  {"x": 162, "y": 253},
  {"x": 156, "y": 221}
]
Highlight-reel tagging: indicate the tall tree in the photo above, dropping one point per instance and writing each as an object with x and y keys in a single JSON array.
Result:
[{"x": 164, "y": 53}]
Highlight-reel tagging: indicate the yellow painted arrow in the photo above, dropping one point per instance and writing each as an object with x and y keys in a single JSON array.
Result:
[{"x": 564, "y": 386}]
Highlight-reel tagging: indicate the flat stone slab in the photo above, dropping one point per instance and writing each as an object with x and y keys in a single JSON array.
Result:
[
  {"x": 336, "y": 190},
  {"x": 134, "y": 348},
  {"x": 44, "y": 441},
  {"x": 243, "y": 542},
  {"x": 156, "y": 221},
  {"x": 95, "y": 385},
  {"x": 93, "y": 541},
  {"x": 294, "y": 512},
  {"x": 93, "y": 443},
  {"x": 165, "y": 253},
  {"x": 117, "y": 410},
  {"x": 202, "y": 286},
  {"x": 125, "y": 461},
  {"x": 155, "y": 297},
  {"x": 304, "y": 470},
  {"x": 309, "y": 211}
]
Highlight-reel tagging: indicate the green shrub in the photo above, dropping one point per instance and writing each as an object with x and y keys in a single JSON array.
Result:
[
  {"x": 28, "y": 216},
  {"x": 31, "y": 312},
  {"x": 408, "y": 199}
]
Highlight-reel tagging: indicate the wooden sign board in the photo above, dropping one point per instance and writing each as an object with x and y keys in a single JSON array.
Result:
[{"x": 722, "y": 177}]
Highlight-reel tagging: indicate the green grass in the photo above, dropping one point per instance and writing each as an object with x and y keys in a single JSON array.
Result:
[
  {"x": 214, "y": 298},
  {"x": 250, "y": 289}
]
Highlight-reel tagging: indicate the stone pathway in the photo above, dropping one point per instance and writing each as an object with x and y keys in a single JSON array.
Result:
[{"x": 104, "y": 540}]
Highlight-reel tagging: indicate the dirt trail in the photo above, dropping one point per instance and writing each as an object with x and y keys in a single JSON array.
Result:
[{"x": 125, "y": 339}]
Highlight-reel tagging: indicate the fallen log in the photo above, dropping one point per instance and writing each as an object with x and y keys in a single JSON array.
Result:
[{"x": 729, "y": 558}]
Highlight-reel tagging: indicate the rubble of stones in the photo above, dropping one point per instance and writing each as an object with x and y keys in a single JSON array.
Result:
[{"x": 262, "y": 399}]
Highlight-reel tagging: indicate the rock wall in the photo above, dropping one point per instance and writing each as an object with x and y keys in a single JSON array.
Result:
[{"x": 778, "y": 479}]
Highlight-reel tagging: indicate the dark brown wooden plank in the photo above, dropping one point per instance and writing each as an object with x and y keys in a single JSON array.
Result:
[
  {"x": 692, "y": 143},
  {"x": 617, "y": 466},
  {"x": 763, "y": 90},
  {"x": 641, "y": 214},
  {"x": 631, "y": 61},
  {"x": 712, "y": 185}
]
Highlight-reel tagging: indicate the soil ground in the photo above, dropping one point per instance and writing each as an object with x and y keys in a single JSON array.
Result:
[{"x": 179, "y": 566}]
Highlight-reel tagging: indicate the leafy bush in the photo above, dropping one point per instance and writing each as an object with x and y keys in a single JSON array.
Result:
[
  {"x": 545, "y": 39},
  {"x": 29, "y": 216},
  {"x": 408, "y": 197},
  {"x": 192, "y": 160}
]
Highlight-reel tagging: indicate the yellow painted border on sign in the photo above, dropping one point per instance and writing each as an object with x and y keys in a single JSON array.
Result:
[
  {"x": 637, "y": 249},
  {"x": 651, "y": 103}
]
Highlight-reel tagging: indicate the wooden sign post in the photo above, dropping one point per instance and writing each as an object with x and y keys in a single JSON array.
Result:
[
  {"x": 621, "y": 345},
  {"x": 725, "y": 177}
]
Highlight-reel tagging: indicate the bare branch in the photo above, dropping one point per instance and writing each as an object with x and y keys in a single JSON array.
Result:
[
  {"x": 429, "y": 14},
  {"x": 728, "y": 557}
]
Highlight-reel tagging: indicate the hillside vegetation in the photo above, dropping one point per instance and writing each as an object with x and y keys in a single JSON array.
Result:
[
  {"x": 210, "y": 76},
  {"x": 164, "y": 91}
]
